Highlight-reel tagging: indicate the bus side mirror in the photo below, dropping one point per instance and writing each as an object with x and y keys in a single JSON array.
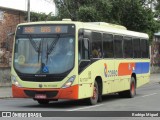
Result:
[
  {"x": 86, "y": 43},
  {"x": 80, "y": 34}
]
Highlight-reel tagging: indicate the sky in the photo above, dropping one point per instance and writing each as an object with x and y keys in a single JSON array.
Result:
[{"x": 45, "y": 6}]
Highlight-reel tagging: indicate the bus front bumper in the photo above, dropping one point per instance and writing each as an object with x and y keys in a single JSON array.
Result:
[{"x": 49, "y": 93}]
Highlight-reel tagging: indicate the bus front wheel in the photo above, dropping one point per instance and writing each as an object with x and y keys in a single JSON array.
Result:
[{"x": 94, "y": 99}]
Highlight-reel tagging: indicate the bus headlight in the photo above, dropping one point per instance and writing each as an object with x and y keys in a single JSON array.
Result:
[
  {"x": 69, "y": 82},
  {"x": 14, "y": 81}
]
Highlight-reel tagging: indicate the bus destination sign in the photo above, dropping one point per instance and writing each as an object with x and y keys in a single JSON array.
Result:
[{"x": 44, "y": 29}]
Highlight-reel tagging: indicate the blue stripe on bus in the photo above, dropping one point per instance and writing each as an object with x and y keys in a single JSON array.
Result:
[{"x": 142, "y": 67}]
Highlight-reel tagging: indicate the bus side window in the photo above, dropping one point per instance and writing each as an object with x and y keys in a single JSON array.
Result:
[
  {"x": 128, "y": 47},
  {"x": 136, "y": 46},
  {"x": 144, "y": 48},
  {"x": 96, "y": 45},
  {"x": 83, "y": 49},
  {"x": 118, "y": 46},
  {"x": 108, "y": 51},
  {"x": 79, "y": 50}
]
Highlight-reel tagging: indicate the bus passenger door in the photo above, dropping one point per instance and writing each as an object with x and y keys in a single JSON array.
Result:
[{"x": 84, "y": 69}]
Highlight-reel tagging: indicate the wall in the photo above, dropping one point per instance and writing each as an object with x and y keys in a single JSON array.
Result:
[
  {"x": 5, "y": 77},
  {"x": 8, "y": 22},
  {"x": 155, "y": 55}
]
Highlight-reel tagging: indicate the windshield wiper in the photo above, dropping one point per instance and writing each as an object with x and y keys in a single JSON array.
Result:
[
  {"x": 33, "y": 44},
  {"x": 39, "y": 50},
  {"x": 47, "y": 54},
  {"x": 52, "y": 46},
  {"x": 36, "y": 48}
]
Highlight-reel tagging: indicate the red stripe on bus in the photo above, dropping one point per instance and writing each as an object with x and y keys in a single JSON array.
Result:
[
  {"x": 125, "y": 68},
  {"x": 65, "y": 93}
]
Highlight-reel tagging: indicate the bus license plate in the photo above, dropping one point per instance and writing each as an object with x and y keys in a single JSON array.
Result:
[{"x": 40, "y": 96}]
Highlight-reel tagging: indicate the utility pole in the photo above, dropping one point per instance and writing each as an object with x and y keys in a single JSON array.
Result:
[{"x": 28, "y": 10}]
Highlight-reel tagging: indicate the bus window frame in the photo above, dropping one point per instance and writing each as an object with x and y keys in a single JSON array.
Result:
[
  {"x": 91, "y": 45},
  {"x": 120, "y": 35},
  {"x": 147, "y": 46},
  {"x": 131, "y": 39},
  {"x": 83, "y": 63},
  {"x": 103, "y": 40}
]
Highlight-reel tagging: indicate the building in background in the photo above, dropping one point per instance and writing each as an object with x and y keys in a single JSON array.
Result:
[
  {"x": 155, "y": 53},
  {"x": 39, "y": 6},
  {"x": 9, "y": 18}
]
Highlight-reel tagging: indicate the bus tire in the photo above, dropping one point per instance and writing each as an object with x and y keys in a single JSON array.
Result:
[
  {"x": 43, "y": 102},
  {"x": 99, "y": 92},
  {"x": 132, "y": 91},
  {"x": 94, "y": 99}
]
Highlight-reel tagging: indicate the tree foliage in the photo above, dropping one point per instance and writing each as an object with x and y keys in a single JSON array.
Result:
[
  {"x": 84, "y": 10},
  {"x": 134, "y": 14},
  {"x": 41, "y": 17}
]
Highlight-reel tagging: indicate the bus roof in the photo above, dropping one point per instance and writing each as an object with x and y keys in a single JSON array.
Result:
[
  {"x": 115, "y": 30},
  {"x": 95, "y": 26}
]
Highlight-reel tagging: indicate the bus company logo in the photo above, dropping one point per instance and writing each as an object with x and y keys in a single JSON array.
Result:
[{"x": 105, "y": 70}]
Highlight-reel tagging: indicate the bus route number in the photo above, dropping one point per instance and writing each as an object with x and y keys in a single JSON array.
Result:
[
  {"x": 45, "y": 29},
  {"x": 29, "y": 30}
]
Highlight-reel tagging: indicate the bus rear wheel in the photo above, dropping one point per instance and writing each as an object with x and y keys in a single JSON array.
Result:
[
  {"x": 132, "y": 91},
  {"x": 94, "y": 99},
  {"x": 43, "y": 102}
]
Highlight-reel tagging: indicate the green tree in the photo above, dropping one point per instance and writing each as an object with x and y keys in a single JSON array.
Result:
[
  {"x": 41, "y": 17},
  {"x": 84, "y": 10},
  {"x": 134, "y": 14}
]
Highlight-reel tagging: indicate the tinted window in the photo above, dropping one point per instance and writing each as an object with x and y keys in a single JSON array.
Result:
[
  {"x": 136, "y": 46},
  {"x": 118, "y": 46},
  {"x": 83, "y": 48},
  {"x": 144, "y": 48},
  {"x": 79, "y": 50},
  {"x": 108, "y": 51},
  {"x": 128, "y": 49},
  {"x": 96, "y": 45}
]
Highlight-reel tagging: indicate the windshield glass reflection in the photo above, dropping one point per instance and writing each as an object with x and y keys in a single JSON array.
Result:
[{"x": 44, "y": 55}]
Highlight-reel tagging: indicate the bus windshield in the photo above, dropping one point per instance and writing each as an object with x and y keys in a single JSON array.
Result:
[{"x": 44, "y": 55}]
